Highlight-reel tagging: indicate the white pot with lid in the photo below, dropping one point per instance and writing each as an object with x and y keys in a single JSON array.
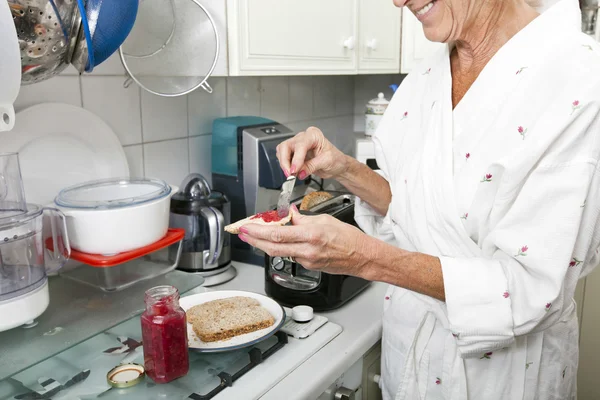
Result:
[
  {"x": 374, "y": 112},
  {"x": 113, "y": 216}
]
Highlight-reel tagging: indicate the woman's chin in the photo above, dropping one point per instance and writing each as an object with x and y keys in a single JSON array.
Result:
[{"x": 434, "y": 34}]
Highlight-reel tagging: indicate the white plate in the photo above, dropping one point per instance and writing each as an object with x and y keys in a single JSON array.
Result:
[
  {"x": 60, "y": 145},
  {"x": 236, "y": 342}
]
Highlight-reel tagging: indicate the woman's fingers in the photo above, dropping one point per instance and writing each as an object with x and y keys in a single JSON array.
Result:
[
  {"x": 284, "y": 155},
  {"x": 293, "y": 153},
  {"x": 274, "y": 234},
  {"x": 274, "y": 248}
]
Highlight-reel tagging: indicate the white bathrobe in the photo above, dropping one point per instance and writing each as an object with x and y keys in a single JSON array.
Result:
[{"x": 505, "y": 190}]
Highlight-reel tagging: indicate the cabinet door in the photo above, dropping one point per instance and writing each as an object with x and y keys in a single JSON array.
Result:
[
  {"x": 379, "y": 32},
  {"x": 286, "y": 37},
  {"x": 415, "y": 46},
  {"x": 589, "y": 342}
]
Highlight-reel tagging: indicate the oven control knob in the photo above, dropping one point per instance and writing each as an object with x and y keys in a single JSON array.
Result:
[
  {"x": 277, "y": 263},
  {"x": 344, "y": 393},
  {"x": 302, "y": 313}
]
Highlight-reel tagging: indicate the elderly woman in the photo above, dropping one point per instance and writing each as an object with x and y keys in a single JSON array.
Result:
[{"x": 485, "y": 213}]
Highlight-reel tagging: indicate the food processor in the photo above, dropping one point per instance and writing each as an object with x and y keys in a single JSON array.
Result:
[{"x": 24, "y": 260}]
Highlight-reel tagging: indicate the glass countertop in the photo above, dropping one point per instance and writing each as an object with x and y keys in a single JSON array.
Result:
[{"x": 76, "y": 313}]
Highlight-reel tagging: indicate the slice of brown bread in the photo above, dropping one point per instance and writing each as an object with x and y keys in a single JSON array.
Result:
[
  {"x": 221, "y": 305},
  {"x": 235, "y": 227},
  {"x": 226, "y": 318},
  {"x": 314, "y": 198}
]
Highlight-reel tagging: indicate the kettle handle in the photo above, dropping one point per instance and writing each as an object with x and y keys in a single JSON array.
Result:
[{"x": 216, "y": 225}]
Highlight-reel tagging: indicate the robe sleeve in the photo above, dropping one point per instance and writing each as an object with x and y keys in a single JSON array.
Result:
[
  {"x": 517, "y": 289},
  {"x": 369, "y": 220}
]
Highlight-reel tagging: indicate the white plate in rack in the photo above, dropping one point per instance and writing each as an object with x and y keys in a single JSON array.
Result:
[
  {"x": 236, "y": 342},
  {"x": 60, "y": 145}
]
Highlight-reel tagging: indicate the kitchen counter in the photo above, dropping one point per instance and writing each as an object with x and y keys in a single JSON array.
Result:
[{"x": 361, "y": 323}]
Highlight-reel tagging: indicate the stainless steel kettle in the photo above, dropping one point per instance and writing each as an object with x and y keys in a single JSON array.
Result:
[{"x": 203, "y": 214}]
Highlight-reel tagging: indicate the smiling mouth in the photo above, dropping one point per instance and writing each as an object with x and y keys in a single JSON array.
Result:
[{"x": 425, "y": 9}]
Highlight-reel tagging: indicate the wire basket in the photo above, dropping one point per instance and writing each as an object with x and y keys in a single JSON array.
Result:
[{"x": 166, "y": 51}]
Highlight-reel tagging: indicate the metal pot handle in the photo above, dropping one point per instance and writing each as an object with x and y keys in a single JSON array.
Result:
[
  {"x": 61, "y": 248},
  {"x": 216, "y": 225}
]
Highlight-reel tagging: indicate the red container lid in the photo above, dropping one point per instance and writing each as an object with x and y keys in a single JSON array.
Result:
[{"x": 98, "y": 260}]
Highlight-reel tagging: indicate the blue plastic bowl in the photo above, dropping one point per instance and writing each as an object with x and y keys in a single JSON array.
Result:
[{"x": 106, "y": 24}]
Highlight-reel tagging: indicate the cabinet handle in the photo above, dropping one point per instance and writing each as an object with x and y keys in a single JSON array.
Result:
[
  {"x": 349, "y": 43},
  {"x": 375, "y": 378},
  {"x": 372, "y": 44}
]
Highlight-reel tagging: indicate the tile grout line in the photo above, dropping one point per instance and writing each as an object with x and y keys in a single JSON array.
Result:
[
  {"x": 187, "y": 118},
  {"x": 142, "y": 131}
]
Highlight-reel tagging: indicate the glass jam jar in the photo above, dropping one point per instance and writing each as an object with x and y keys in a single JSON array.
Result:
[{"x": 164, "y": 335}]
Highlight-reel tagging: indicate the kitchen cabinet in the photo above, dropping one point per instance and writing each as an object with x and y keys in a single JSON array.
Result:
[
  {"x": 379, "y": 37},
  {"x": 589, "y": 342},
  {"x": 274, "y": 37},
  {"x": 313, "y": 37},
  {"x": 415, "y": 46}
]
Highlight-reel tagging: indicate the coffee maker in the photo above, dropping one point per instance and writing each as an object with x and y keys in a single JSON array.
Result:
[
  {"x": 206, "y": 247},
  {"x": 291, "y": 284},
  {"x": 246, "y": 169}
]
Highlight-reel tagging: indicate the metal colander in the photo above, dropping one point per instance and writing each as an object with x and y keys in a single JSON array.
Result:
[
  {"x": 45, "y": 29},
  {"x": 173, "y": 47}
]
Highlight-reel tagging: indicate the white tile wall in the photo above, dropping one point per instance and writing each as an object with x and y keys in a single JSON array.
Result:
[
  {"x": 164, "y": 118},
  {"x": 168, "y": 160},
  {"x": 135, "y": 159},
  {"x": 301, "y": 98},
  {"x": 275, "y": 98},
  {"x": 106, "y": 97},
  {"x": 60, "y": 89},
  {"x": 204, "y": 107},
  {"x": 324, "y": 96},
  {"x": 169, "y": 137},
  {"x": 201, "y": 155},
  {"x": 243, "y": 96}
]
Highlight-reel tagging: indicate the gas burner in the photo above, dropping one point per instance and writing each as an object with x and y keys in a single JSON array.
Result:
[{"x": 256, "y": 356}]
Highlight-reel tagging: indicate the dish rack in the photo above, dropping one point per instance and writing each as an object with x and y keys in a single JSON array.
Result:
[{"x": 117, "y": 272}]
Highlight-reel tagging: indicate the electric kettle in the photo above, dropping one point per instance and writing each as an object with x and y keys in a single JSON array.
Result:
[{"x": 203, "y": 214}]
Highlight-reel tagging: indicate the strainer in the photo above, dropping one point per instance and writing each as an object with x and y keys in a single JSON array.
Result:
[
  {"x": 45, "y": 29},
  {"x": 54, "y": 33},
  {"x": 166, "y": 52},
  {"x": 104, "y": 27}
]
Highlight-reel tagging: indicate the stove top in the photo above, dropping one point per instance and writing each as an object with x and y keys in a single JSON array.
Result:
[{"x": 80, "y": 372}]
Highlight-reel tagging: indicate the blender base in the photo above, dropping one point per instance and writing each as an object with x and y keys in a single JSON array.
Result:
[{"x": 25, "y": 308}]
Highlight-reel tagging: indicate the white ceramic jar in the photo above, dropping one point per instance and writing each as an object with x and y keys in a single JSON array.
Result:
[{"x": 374, "y": 112}]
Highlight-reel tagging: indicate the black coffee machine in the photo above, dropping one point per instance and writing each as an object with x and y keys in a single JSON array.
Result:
[{"x": 291, "y": 284}]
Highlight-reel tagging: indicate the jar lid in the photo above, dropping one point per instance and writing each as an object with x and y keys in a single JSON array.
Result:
[
  {"x": 125, "y": 375},
  {"x": 380, "y": 100},
  {"x": 112, "y": 193}
]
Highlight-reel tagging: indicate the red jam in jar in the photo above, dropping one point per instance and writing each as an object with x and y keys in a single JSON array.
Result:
[
  {"x": 164, "y": 335},
  {"x": 268, "y": 216}
]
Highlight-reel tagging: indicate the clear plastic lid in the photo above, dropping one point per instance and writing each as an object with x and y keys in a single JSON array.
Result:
[{"x": 112, "y": 193}]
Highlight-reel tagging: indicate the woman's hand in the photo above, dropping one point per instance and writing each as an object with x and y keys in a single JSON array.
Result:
[
  {"x": 321, "y": 243},
  {"x": 309, "y": 153}
]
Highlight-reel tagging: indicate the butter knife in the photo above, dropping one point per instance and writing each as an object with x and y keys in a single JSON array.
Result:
[{"x": 283, "y": 204}]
